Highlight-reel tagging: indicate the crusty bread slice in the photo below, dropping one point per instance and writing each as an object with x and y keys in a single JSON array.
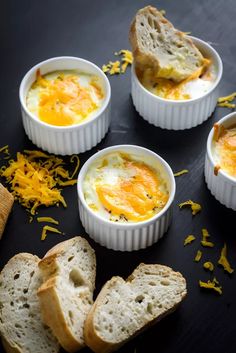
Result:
[
  {"x": 156, "y": 44},
  {"x": 125, "y": 308},
  {"x": 66, "y": 296},
  {"x": 21, "y": 326},
  {"x": 6, "y": 202}
]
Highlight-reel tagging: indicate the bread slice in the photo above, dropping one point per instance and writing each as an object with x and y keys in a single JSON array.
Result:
[
  {"x": 125, "y": 308},
  {"x": 156, "y": 44},
  {"x": 6, "y": 202},
  {"x": 21, "y": 326},
  {"x": 66, "y": 296}
]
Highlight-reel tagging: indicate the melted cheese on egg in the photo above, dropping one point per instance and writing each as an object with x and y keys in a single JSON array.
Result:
[
  {"x": 123, "y": 189},
  {"x": 225, "y": 148},
  {"x": 192, "y": 87},
  {"x": 64, "y": 98}
]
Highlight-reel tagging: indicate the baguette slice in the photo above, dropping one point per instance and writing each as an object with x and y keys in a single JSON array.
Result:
[
  {"x": 125, "y": 308},
  {"x": 66, "y": 296},
  {"x": 156, "y": 44},
  {"x": 21, "y": 326},
  {"x": 6, "y": 202}
]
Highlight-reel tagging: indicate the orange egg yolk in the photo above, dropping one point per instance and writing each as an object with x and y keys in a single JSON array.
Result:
[
  {"x": 226, "y": 146},
  {"x": 63, "y": 101},
  {"x": 135, "y": 198}
]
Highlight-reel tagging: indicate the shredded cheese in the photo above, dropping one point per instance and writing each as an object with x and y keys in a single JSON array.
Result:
[
  {"x": 204, "y": 241},
  {"x": 195, "y": 207},
  {"x": 117, "y": 66},
  {"x": 47, "y": 219},
  {"x": 5, "y": 150},
  {"x": 227, "y": 105},
  {"x": 223, "y": 261},
  {"x": 49, "y": 229},
  {"x": 198, "y": 256},
  {"x": 225, "y": 101},
  {"x": 228, "y": 98},
  {"x": 214, "y": 285},
  {"x": 189, "y": 239},
  {"x": 181, "y": 172},
  {"x": 34, "y": 177},
  {"x": 208, "y": 266}
]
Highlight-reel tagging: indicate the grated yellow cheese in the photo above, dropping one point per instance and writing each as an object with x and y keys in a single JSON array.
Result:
[
  {"x": 214, "y": 285},
  {"x": 227, "y": 105},
  {"x": 189, "y": 239},
  {"x": 204, "y": 241},
  {"x": 181, "y": 172},
  {"x": 198, "y": 256},
  {"x": 106, "y": 68},
  {"x": 223, "y": 261},
  {"x": 116, "y": 67},
  {"x": 195, "y": 207},
  {"x": 49, "y": 229},
  {"x": 208, "y": 266},
  {"x": 163, "y": 12},
  {"x": 228, "y": 98},
  {"x": 34, "y": 177},
  {"x": 5, "y": 150},
  {"x": 225, "y": 101},
  {"x": 47, "y": 219}
]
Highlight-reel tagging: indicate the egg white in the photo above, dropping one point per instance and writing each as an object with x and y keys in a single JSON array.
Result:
[{"x": 109, "y": 174}]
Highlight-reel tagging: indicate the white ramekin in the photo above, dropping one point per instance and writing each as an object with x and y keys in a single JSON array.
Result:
[
  {"x": 66, "y": 140},
  {"x": 222, "y": 185},
  {"x": 131, "y": 236},
  {"x": 181, "y": 114}
]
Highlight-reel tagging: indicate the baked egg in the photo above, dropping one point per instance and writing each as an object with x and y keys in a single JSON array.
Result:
[
  {"x": 193, "y": 87},
  {"x": 122, "y": 187},
  {"x": 65, "y": 97},
  {"x": 224, "y": 149}
]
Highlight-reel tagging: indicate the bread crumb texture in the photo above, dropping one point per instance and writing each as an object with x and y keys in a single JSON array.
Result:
[
  {"x": 20, "y": 320},
  {"x": 123, "y": 308}
]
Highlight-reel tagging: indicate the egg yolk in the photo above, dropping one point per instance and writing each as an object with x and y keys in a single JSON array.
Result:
[
  {"x": 135, "y": 198},
  {"x": 63, "y": 101},
  {"x": 226, "y": 147}
]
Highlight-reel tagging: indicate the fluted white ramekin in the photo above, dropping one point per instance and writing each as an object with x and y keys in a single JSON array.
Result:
[
  {"x": 127, "y": 236},
  {"x": 222, "y": 185},
  {"x": 66, "y": 140},
  {"x": 178, "y": 114}
]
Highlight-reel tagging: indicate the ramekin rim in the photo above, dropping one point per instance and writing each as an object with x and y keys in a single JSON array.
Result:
[
  {"x": 186, "y": 101},
  {"x": 96, "y": 116},
  {"x": 209, "y": 147},
  {"x": 141, "y": 224}
]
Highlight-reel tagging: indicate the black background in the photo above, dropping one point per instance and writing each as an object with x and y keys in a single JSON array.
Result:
[{"x": 32, "y": 31}]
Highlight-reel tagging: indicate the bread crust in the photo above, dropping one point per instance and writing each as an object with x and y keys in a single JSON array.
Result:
[
  {"x": 52, "y": 312},
  {"x": 53, "y": 316},
  {"x": 8, "y": 342},
  {"x": 5, "y": 207},
  {"x": 92, "y": 338},
  {"x": 145, "y": 56}
]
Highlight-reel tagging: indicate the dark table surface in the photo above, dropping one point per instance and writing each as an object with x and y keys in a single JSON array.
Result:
[{"x": 32, "y": 31}]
